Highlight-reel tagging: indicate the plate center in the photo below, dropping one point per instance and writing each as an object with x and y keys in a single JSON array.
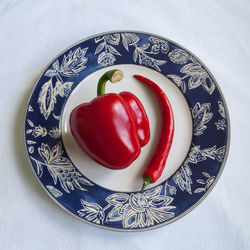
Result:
[{"x": 130, "y": 179}]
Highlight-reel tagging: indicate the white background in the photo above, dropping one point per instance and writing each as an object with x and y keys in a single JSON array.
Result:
[{"x": 32, "y": 33}]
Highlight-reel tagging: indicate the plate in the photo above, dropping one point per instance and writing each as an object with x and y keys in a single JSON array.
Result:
[{"x": 111, "y": 199}]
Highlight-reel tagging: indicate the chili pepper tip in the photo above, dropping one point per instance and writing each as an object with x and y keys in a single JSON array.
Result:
[{"x": 146, "y": 181}]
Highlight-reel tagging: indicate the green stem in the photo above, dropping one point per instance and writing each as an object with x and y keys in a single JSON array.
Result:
[
  {"x": 112, "y": 75},
  {"x": 146, "y": 181}
]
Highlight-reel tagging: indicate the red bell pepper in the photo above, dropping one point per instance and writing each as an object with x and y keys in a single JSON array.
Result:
[{"x": 112, "y": 128}]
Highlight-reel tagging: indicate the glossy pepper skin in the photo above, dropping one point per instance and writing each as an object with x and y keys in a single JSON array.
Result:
[
  {"x": 158, "y": 161},
  {"x": 112, "y": 128}
]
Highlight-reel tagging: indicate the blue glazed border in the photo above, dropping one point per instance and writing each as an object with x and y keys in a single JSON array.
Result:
[{"x": 132, "y": 210}]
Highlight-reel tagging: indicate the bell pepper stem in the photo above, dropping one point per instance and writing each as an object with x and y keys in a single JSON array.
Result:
[
  {"x": 111, "y": 75},
  {"x": 146, "y": 181}
]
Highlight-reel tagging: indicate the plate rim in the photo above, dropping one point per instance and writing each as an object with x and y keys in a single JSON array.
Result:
[{"x": 210, "y": 188}]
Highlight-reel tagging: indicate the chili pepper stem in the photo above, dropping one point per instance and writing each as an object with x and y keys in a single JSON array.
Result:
[
  {"x": 111, "y": 75},
  {"x": 146, "y": 181}
]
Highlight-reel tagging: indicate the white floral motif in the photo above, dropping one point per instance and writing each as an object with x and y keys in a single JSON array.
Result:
[
  {"x": 129, "y": 39},
  {"x": 172, "y": 189},
  {"x": 178, "y": 81},
  {"x": 60, "y": 168},
  {"x": 136, "y": 210},
  {"x": 107, "y": 52},
  {"x": 159, "y": 45},
  {"x": 197, "y": 75},
  {"x": 48, "y": 94},
  {"x": 178, "y": 56},
  {"x": 140, "y": 209},
  {"x": 201, "y": 115},
  {"x": 197, "y": 155},
  {"x": 31, "y": 149},
  {"x": 54, "y": 191},
  {"x": 221, "y": 109},
  {"x": 143, "y": 56},
  {"x": 91, "y": 212},
  {"x": 183, "y": 176},
  {"x": 206, "y": 184},
  {"x": 221, "y": 124},
  {"x": 71, "y": 65},
  {"x": 30, "y": 142},
  {"x": 47, "y": 99},
  {"x": 30, "y": 108},
  {"x": 37, "y": 131}
]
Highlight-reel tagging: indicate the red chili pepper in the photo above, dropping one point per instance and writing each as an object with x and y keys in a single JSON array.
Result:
[
  {"x": 159, "y": 158},
  {"x": 112, "y": 128}
]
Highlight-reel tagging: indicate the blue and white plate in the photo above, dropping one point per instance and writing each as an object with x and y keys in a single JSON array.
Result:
[{"x": 111, "y": 199}]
